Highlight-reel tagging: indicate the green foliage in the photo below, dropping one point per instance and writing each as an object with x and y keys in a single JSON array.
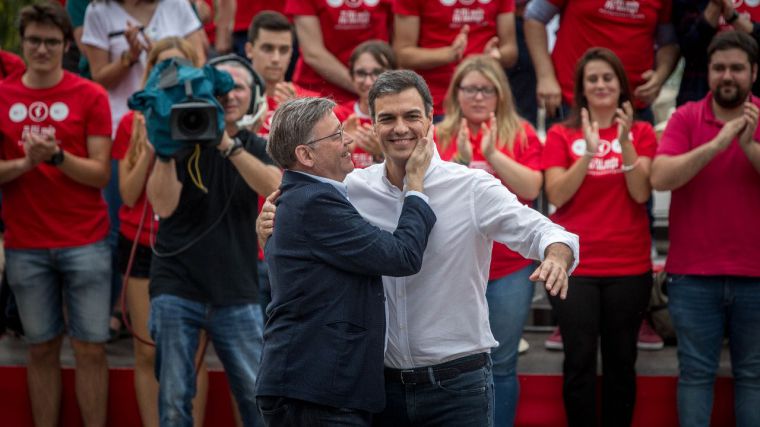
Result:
[{"x": 9, "y": 39}]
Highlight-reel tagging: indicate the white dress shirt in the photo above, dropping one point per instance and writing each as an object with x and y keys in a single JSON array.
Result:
[{"x": 441, "y": 313}]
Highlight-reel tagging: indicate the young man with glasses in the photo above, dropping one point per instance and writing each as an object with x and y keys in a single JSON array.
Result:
[
  {"x": 323, "y": 344},
  {"x": 55, "y": 129}
]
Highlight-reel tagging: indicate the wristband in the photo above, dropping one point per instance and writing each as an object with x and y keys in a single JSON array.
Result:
[
  {"x": 56, "y": 159},
  {"x": 236, "y": 146},
  {"x": 458, "y": 159},
  {"x": 628, "y": 168}
]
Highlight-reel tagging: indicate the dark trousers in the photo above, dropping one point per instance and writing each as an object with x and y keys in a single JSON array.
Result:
[
  {"x": 280, "y": 411},
  {"x": 610, "y": 308}
]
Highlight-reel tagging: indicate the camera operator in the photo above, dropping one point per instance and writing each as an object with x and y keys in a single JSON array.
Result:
[{"x": 203, "y": 274}]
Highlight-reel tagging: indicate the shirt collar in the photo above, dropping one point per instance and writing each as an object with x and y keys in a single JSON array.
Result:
[
  {"x": 340, "y": 186},
  {"x": 709, "y": 114}
]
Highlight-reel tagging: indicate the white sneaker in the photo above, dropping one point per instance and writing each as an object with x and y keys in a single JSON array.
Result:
[{"x": 523, "y": 346}]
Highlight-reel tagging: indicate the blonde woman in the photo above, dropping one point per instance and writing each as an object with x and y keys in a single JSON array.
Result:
[
  {"x": 482, "y": 130},
  {"x": 135, "y": 155}
]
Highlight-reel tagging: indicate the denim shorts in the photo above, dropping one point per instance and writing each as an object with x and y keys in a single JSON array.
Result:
[{"x": 44, "y": 279}]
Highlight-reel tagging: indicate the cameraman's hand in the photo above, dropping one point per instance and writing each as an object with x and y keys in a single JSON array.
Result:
[
  {"x": 225, "y": 143},
  {"x": 265, "y": 220}
]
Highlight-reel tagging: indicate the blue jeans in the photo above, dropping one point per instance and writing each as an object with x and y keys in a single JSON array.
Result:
[
  {"x": 701, "y": 308},
  {"x": 466, "y": 400},
  {"x": 40, "y": 278},
  {"x": 509, "y": 301},
  {"x": 236, "y": 332}
]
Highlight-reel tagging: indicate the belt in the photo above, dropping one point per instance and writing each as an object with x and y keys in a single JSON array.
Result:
[{"x": 444, "y": 371}]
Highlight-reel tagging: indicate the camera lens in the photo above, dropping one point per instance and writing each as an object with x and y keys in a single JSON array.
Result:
[{"x": 193, "y": 122}]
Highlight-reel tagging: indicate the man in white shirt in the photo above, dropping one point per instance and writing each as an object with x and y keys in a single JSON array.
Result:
[{"x": 437, "y": 362}]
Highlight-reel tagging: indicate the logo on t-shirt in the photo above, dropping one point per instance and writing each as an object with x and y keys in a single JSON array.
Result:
[
  {"x": 352, "y": 3},
  {"x": 622, "y": 8},
  {"x": 463, "y": 2},
  {"x": 38, "y": 111},
  {"x": 749, "y": 3},
  {"x": 59, "y": 111},
  {"x": 463, "y": 16},
  {"x": 17, "y": 113}
]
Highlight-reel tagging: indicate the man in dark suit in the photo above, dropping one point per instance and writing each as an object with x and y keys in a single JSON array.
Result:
[{"x": 322, "y": 361}]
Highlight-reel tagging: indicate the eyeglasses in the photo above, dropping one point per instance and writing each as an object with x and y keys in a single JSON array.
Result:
[
  {"x": 363, "y": 74},
  {"x": 337, "y": 136},
  {"x": 35, "y": 42},
  {"x": 472, "y": 91}
]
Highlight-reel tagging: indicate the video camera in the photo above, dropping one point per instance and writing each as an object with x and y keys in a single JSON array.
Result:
[{"x": 180, "y": 105}]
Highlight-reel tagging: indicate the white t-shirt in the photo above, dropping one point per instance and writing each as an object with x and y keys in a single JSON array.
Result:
[{"x": 104, "y": 19}]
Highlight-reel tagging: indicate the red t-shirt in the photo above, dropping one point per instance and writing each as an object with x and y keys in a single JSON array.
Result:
[
  {"x": 344, "y": 24},
  {"x": 628, "y": 28},
  {"x": 10, "y": 64},
  {"x": 713, "y": 216},
  {"x": 272, "y": 106},
  {"x": 441, "y": 21},
  {"x": 613, "y": 228},
  {"x": 44, "y": 208},
  {"x": 247, "y": 9},
  {"x": 129, "y": 218},
  {"x": 361, "y": 158},
  {"x": 527, "y": 152},
  {"x": 244, "y": 13}
]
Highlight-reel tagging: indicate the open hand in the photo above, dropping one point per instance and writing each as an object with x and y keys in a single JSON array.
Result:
[
  {"x": 489, "y": 136},
  {"x": 590, "y": 132}
]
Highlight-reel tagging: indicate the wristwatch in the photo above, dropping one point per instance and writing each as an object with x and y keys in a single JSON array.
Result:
[
  {"x": 56, "y": 159},
  {"x": 236, "y": 146},
  {"x": 734, "y": 16}
]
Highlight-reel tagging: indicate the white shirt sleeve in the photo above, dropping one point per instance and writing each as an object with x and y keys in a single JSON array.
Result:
[
  {"x": 501, "y": 217},
  {"x": 185, "y": 17},
  {"x": 95, "y": 26}
]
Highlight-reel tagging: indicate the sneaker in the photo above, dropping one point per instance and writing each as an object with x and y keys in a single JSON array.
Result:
[
  {"x": 523, "y": 346},
  {"x": 648, "y": 338},
  {"x": 554, "y": 342}
]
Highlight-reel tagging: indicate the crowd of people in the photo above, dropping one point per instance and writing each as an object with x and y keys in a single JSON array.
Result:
[{"x": 395, "y": 141}]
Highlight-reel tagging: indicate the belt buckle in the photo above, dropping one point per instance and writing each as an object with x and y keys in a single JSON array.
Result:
[{"x": 406, "y": 371}]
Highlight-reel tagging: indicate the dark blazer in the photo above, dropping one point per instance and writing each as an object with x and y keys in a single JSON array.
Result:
[{"x": 325, "y": 337}]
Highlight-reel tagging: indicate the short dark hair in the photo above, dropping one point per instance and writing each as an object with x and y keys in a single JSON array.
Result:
[
  {"x": 46, "y": 13},
  {"x": 292, "y": 125},
  {"x": 380, "y": 50},
  {"x": 579, "y": 99},
  {"x": 734, "y": 40},
  {"x": 268, "y": 20},
  {"x": 396, "y": 81}
]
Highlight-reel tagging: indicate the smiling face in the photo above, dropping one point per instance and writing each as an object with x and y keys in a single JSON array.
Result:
[
  {"x": 329, "y": 149},
  {"x": 730, "y": 77},
  {"x": 236, "y": 101},
  {"x": 601, "y": 87},
  {"x": 477, "y": 96},
  {"x": 400, "y": 121}
]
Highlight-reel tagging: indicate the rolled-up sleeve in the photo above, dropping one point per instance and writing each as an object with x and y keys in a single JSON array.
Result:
[{"x": 501, "y": 217}]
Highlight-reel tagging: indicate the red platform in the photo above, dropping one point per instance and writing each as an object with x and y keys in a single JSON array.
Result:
[{"x": 540, "y": 401}]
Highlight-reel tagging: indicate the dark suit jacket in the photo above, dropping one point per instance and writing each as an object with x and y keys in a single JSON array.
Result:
[{"x": 325, "y": 336}]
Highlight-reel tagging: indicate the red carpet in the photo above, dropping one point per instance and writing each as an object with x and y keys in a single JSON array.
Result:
[{"x": 540, "y": 401}]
